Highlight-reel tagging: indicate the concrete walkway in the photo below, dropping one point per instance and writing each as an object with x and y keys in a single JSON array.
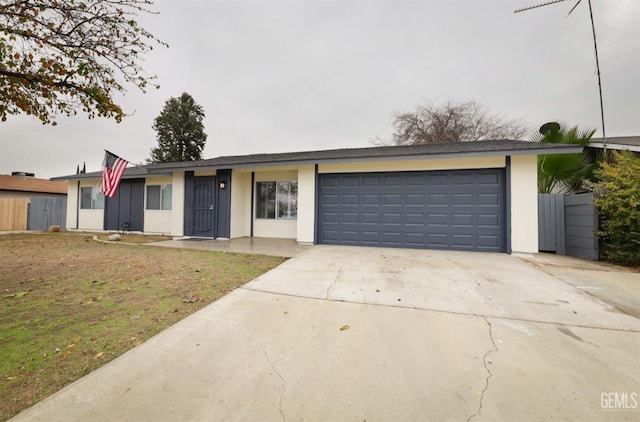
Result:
[{"x": 340, "y": 333}]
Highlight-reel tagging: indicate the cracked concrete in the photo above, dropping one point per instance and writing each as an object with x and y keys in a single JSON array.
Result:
[
  {"x": 489, "y": 373},
  {"x": 417, "y": 347},
  {"x": 335, "y": 280},
  {"x": 284, "y": 385},
  {"x": 275, "y": 371}
]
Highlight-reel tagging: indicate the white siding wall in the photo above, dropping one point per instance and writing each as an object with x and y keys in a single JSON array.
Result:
[
  {"x": 524, "y": 203},
  {"x": 89, "y": 219},
  {"x": 72, "y": 204},
  {"x": 177, "y": 214},
  {"x": 276, "y": 228},
  {"x": 416, "y": 165},
  {"x": 306, "y": 203},
  {"x": 158, "y": 221},
  {"x": 240, "y": 204}
]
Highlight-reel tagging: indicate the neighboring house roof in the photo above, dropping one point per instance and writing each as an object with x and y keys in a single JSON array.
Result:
[
  {"x": 617, "y": 142},
  {"x": 30, "y": 184},
  {"x": 408, "y": 152}
]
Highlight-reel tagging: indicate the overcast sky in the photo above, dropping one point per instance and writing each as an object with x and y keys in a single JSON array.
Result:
[{"x": 277, "y": 76}]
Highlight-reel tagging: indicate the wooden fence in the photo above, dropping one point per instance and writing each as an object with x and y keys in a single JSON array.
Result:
[
  {"x": 45, "y": 212},
  {"x": 13, "y": 213},
  {"x": 568, "y": 225}
]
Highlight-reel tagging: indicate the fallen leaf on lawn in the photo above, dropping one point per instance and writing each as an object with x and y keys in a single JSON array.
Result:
[
  {"x": 98, "y": 355},
  {"x": 11, "y": 378},
  {"x": 191, "y": 299},
  {"x": 73, "y": 342},
  {"x": 65, "y": 355},
  {"x": 344, "y": 327},
  {"x": 15, "y": 295}
]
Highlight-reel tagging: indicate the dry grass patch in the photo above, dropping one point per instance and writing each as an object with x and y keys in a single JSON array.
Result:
[{"x": 69, "y": 304}]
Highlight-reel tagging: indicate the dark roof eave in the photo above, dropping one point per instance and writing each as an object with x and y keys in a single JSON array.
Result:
[
  {"x": 98, "y": 176},
  {"x": 370, "y": 154},
  {"x": 431, "y": 156}
]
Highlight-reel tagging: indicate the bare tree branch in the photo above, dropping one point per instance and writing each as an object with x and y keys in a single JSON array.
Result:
[
  {"x": 453, "y": 122},
  {"x": 65, "y": 56}
]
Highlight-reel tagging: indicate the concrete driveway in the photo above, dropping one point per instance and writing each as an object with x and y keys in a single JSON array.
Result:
[{"x": 365, "y": 334}]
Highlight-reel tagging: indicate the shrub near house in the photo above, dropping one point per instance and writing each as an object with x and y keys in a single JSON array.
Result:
[{"x": 618, "y": 200}]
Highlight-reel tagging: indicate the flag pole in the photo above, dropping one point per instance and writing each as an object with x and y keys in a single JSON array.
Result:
[{"x": 128, "y": 162}]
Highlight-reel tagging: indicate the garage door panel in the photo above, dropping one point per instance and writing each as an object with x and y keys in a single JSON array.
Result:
[
  {"x": 435, "y": 179},
  {"x": 462, "y": 179},
  {"x": 392, "y": 218},
  {"x": 350, "y": 181},
  {"x": 462, "y": 239},
  {"x": 370, "y": 218},
  {"x": 414, "y": 198},
  {"x": 416, "y": 179},
  {"x": 414, "y": 218},
  {"x": 438, "y": 199},
  {"x": 441, "y": 219},
  {"x": 394, "y": 180},
  {"x": 488, "y": 241},
  {"x": 462, "y": 209},
  {"x": 462, "y": 198},
  {"x": 484, "y": 178},
  {"x": 370, "y": 236},
  {"x": 437, "y": 239},
  {"x": 330, "y": 180},
  {"x": 329, "y": 217},
  {"x": 489, "y": 221},
  {"x": 330, "y": 199},
  {"x": 350, "y": 218},
  {"x": 371, "y": 180},
  {"x": 392, "y": 199},
  {"x": 462, "y": 220},
  {"x": 349, "y": 199},
  {"x": 488, "y": 198}
]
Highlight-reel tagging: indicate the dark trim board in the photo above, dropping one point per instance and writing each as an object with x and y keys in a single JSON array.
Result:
[
  {"x": 507, "y": 196},
  {"x": 316, "y": 211},
  {"x": 253, "y": 192},
  {"x": 441, "y": 209},
  {"x": 125, "y": 211},
  {"x": 223, "y": 203}
]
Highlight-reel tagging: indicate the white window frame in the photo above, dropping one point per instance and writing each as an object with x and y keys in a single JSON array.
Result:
[
  {"x": 162, "y": 197},
  {"x": 97, "y": 198},
  {"x": 276, "y": 201}
]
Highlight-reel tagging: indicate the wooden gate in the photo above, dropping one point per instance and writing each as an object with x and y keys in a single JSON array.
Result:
[
  {"x": 568, "y": 225},
  {"x": 46, "y": 212}
]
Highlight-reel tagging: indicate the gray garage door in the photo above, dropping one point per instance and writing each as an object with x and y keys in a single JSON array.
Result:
[{"x": 461, "y": 210}]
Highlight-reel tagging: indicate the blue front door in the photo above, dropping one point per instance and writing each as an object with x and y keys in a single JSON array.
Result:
[{"x": 203, "y": 207}]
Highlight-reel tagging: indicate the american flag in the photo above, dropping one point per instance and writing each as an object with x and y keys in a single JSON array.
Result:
[{"x": 114, "y": 168}]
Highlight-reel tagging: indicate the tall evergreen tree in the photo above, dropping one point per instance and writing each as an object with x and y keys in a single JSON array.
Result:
[{"x": 179, "y": 131}]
